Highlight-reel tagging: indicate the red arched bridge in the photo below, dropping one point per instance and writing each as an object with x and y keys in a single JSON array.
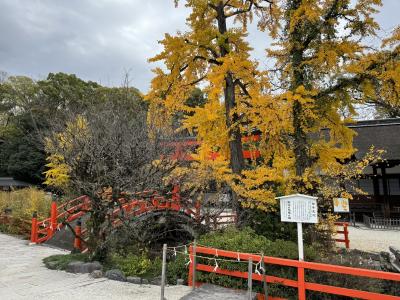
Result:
[{"x": 143, "y": 203}]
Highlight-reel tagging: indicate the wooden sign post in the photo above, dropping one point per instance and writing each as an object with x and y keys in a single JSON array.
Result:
[{"x": 299, "y": 209}]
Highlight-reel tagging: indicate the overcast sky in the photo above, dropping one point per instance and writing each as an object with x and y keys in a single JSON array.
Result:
[{"x": 100, "y": 40}]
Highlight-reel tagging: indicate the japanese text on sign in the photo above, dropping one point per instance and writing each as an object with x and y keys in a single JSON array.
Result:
[{"x": 297, "y": 209}]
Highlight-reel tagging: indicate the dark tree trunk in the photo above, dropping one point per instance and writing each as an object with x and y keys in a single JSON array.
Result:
[
  {"x": 235, "y": 139},
  {"x": 299, "y": 79},
  {"x": 97, "y": 231},
  {"x": 300, "y": 140}
]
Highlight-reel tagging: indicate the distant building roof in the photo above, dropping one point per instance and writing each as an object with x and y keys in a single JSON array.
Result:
[
  {"x": 383, "y": 134},
  {"x": 11, "y": 182}
]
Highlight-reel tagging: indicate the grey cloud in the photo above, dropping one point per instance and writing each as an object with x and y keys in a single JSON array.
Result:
[{"x": 100, "y": 39}]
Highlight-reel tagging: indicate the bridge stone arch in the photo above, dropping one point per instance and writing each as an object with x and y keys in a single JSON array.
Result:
[{"x": 154, "y": 228}]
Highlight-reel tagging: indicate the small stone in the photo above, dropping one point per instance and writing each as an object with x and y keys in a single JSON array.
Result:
[
  {"x": 134, "y": 279},
  {"x": 96, "y": 274},
  {"x": 145, "y": 281},
  {"x": 115, "y": 274},
  {"x": 75, "y": 267},
  {"x": 396, "y": 252},
  {"x": 155, "y": 281},
  {"x": 92, "y": 266},
  {"x": 180, "y": 281},
  {"x": 81, "y": 267}
]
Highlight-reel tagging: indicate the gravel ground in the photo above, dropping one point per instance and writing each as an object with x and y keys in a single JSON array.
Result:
[
  {"x": 372, "y": 240},
  {"x": 23, "y": 276}
]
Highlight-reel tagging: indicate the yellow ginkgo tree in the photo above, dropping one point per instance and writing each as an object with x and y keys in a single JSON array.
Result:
[
  {"x": 300, "y": 108},
  {"x": 216, "y": 56},
  {"x": 381, "y": 72},
  {"x": 58, "y": 173}
]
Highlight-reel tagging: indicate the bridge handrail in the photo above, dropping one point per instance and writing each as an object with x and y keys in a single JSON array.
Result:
[{"x": 43, "y": 230}]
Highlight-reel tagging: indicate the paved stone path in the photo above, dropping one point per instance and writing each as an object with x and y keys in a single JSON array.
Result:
[
  {"x": 23, "y": 276},
  {"x": 372, "y": 240},
  {"x": 213, "y": 292}
]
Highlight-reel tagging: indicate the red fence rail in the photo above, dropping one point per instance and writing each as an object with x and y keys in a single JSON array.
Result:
[
  {"x": 301, "y": 284},
  {"x": 345, "y": 233}
]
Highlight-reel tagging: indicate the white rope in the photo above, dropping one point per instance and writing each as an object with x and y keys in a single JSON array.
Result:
[
  {"x": 212, "y": 258},
  {"x": 216, "y": 265}
]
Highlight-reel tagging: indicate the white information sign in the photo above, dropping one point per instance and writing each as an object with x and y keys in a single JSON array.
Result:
[
  {"x": 341, "y": 205},
  {"x": 299, "y": 208}
]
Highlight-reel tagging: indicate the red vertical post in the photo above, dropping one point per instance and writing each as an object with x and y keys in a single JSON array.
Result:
[
  {"x": 175, "y": 193},
  {"x": 127, "y": 208},
  {"x": 53, "y": 218},
  {"x": 300, "y": 281},
  {"x": 346, "y": 236},
  {"x": 86, "y": 202},
  {"x": 34, "y": 228},
  {"x": 142, "y": 206},
  {"x": 78, "y": 233}
]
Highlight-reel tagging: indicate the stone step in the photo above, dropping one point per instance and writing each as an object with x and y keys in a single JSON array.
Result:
[{"x": 213, "y": 292}]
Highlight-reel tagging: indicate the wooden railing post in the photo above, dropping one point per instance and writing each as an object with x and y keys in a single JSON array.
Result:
[
  {"x": 264, "y": 278},
  {"x": 34, "y": 228},
  {"x": 191, "y": 269},
  {"x": 346, "y": 236},
  {"x": 194, "y": 266},
  {"x": 163, "y": 270},
  {"x": 175, "y": 193},
  {"x": 53, "y": 218},
  {"x": 300, "y": 281},
  {"x": 250, "y": 279},
  {"x": 78, "y": 234}
]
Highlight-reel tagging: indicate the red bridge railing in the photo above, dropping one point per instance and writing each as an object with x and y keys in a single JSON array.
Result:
[
  {"x": 301, "y": 284},
  {"x": 42, "y": 231}
]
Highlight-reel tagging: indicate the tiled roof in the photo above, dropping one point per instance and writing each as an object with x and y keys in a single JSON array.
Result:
[{"x": 383, "y": 134}]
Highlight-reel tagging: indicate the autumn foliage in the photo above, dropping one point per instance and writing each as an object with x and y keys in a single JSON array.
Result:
[{"x": 323, "y": 68}]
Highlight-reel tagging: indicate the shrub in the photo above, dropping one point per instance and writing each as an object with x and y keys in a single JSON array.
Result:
[
  {"x": 22, "y": 204},
  {"x": 177, "y": 268},
  {"x": 136, "y": 265},
  {"x": 246, "y": 240},
  {"x": 269, "y": 224}
]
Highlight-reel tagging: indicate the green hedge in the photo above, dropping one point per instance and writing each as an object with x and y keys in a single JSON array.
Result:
[
  {"x": 137, "y": 265},
  {"x": 247, "y": 241}
]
